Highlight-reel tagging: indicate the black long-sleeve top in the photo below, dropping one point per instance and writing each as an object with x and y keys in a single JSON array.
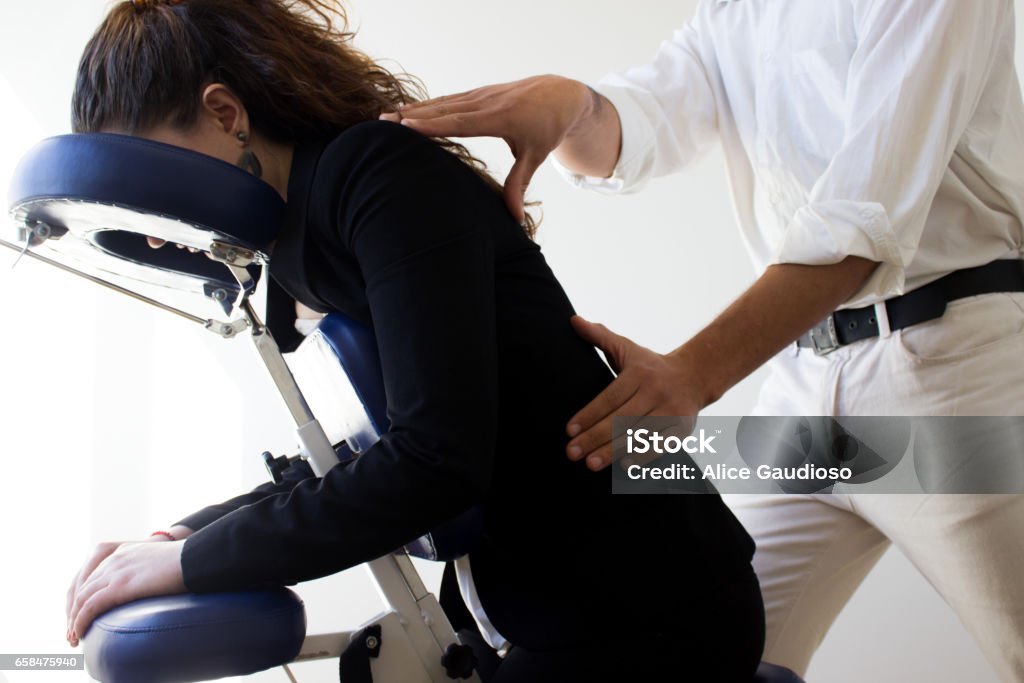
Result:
[{"x": 482, "y": 371}]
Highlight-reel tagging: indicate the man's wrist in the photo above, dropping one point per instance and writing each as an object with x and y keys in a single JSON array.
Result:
[
  {"x": 592, "y": 142},
  {"x": 590, "y": 104},
  {"x": 698, "y": 375}
]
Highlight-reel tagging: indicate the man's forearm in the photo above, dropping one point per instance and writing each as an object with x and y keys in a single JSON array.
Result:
[
  {"x": 783, "y": 304},
  {"x": 592, "y": 145}
]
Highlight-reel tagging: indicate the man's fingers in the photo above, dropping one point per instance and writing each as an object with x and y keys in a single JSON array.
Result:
[
  {"x": 441, "y": 109},
  {"x": 603, "y": 456},
  {"x": 412, "y": 107},
  {"x": 418, "y": 107},
  {"x": 600, "y": 433},
  {"x": 613, "y": 345},
  {"x": 155, "y": 243},
  {"x": 611, "y": 400},
  {"x": 457, "y": 125},
  {"x": 600, "y": 458}
]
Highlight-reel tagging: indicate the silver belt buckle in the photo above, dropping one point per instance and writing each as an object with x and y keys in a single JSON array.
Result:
[{"x": 824, "y": 338}]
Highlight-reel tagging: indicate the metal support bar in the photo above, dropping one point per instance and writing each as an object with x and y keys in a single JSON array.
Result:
[
  {"x": 417, "y": 630},
  {"x": 425, "y": 629},
  {"x": 226, "y": 330}
]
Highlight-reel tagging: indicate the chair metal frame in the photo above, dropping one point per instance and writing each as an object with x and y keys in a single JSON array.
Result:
[{"x": 415, "y": 632}]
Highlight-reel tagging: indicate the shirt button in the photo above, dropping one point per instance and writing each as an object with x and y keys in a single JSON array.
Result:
[
  {"x": 867, "y": 214},
  {"x": 766, "y": 56},
  {"x": 776, "y": 198}
]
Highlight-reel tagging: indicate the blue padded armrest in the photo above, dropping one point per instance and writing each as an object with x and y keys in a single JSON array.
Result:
[
  {"x": 185, "y": 638},
  {"x": 355, "y": 348}
]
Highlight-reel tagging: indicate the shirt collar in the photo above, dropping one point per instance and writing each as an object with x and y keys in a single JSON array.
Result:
[{"x": 290, "y": 245}]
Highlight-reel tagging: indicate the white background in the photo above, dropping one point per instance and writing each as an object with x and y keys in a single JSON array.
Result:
[{"x": 115, "y": 420}]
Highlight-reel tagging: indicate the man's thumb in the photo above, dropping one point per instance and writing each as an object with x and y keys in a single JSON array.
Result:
[
  {"x": 516, "y": 184},
  {"x": 613, "y": 345}
]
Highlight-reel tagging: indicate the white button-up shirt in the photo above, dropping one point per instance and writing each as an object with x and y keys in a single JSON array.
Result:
[{"x": 892, "y": 130}]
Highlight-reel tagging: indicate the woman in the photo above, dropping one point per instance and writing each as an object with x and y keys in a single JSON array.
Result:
[{"x": 481, "y": 366}]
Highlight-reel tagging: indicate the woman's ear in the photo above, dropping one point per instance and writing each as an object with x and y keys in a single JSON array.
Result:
[{"x": 221, "y": 109}]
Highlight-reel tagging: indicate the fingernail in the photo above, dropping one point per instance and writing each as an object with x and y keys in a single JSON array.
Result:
[
  {"x": 574, "y": 429},
  {"x": 575, "y": 452},
  {"x": 594, "y": 462}
]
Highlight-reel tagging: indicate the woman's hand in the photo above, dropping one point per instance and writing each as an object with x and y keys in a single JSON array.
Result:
[
  {"x": 157, "y": 243},
  {"x": 120, "y": 572},
  {"x": 648, "y": 384},
  {"x": 100, "y": 553},
  {"x": 534, "y": 116}
]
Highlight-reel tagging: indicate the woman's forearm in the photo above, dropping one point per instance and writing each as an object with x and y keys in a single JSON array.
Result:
[
  {"x": 783, "y": 304},
  {"x": 591, "y": 146}
]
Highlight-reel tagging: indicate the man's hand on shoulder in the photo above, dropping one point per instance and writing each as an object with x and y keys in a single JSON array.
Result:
[{"x": 534, "y": 116}]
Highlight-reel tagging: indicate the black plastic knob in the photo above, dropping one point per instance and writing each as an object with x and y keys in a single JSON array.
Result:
[
  {"x": 276, "y": 466},
  {"x": 458, "y": 661}
]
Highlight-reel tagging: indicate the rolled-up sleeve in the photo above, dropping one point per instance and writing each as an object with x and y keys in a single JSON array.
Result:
[
  {"x": 667, "y": 112},
  {"x": 914, "y": 83}
]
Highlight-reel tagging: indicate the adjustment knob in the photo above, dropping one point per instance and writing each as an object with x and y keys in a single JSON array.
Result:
[
  {"x": 276, "y": 466},
  {"x": 458, "y": 661}
]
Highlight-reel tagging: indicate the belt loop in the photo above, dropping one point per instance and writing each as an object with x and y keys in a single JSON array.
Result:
[{"x": 882, "y": 316}]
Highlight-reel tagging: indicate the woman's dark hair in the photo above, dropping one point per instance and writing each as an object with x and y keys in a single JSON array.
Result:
[{"x": 291, "y": 62}]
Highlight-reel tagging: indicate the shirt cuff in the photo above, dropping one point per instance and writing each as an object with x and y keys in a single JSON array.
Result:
[
  {"x": 202, "y": 518},
  {"x": 204, "y": 565},
  {"x": 825, "y": 233},
  {"x": 633, "y": 167}
]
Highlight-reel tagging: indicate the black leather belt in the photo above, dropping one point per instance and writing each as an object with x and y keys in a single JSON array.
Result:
[{"x": 925, "y": 303}]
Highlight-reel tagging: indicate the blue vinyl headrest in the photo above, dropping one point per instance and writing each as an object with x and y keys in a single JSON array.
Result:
[
  {"x": 100, "y": 195},
  {"x": 147, "y": 177}
]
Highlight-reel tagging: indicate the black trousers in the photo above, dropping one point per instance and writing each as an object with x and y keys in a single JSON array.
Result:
[{"x": 720, "y": 643}]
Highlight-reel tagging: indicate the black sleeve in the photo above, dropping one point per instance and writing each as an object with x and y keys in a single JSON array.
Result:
[
  {"x": 410, "y": 213},
  {"x": 299, "y": 471}
]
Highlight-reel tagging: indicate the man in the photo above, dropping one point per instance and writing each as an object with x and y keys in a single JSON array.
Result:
[{"x": 876, "y": 154}]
